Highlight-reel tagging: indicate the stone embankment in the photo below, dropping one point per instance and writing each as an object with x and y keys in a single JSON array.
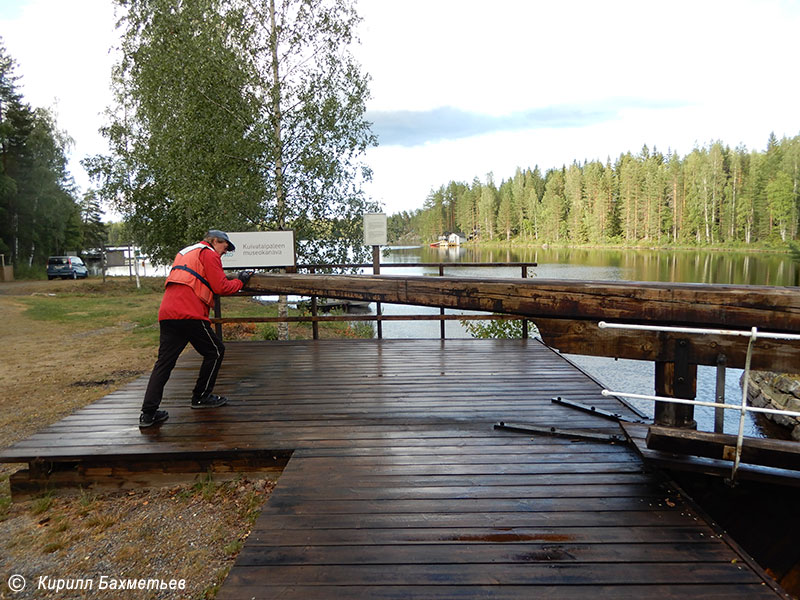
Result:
[{"x": 780, "y": 391}]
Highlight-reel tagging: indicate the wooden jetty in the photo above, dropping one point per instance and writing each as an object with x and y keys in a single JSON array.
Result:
[{"x": 397, "y": 484}]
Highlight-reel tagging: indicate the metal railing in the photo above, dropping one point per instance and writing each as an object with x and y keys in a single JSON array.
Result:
[
  {"x": 315, "y": 318},
  {"x": 753, "y": 334}
]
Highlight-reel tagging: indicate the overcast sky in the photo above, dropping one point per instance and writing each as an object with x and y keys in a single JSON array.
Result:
[{"x": 462, "y": 88}]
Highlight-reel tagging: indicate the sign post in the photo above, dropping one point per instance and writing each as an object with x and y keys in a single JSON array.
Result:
[{"x": 375, "y": 236}]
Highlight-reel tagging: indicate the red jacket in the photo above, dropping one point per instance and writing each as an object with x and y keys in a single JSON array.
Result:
[{"x": 187, "y": 296}]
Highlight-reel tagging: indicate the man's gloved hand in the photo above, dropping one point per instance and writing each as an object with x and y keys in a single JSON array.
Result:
[{"x": 244, "y": 277}]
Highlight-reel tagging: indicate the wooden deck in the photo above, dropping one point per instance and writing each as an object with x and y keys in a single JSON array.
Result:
[{"x": 397, "y": 485}]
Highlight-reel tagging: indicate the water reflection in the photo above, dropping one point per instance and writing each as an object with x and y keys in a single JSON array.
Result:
[
  {"x": 689, "y": 266},
  {"x": 605, "y": 265}
]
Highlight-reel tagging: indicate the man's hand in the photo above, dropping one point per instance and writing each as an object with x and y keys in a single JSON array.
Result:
[{"x": 244, "y": 277}]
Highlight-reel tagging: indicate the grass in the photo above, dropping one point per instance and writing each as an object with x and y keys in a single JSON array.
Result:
[
  {"x": 197, "y": 529},
  {"x": 233, "y": 548},
  {"x": 99, "y": 304},
  {"x": 42, "y": 505},
  {"x": 5, "y": 500},
  {"x": 206, "y": 487},
  {"x": 73, "y": 343},
  {"x": 78, "y": 309}
]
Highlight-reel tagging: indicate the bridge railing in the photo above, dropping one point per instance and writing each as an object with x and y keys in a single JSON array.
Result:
[
  {"x": 567, "y": 314},
  {"x": 314, "y": 317}
]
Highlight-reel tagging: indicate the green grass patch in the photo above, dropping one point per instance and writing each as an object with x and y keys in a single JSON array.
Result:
[
  {"x": 95, "y": 305},
  {"x": 205, "y": 486},
  {"x": 233, "y": 548},
  {"x": 41, "y": 505},
  {"x": 5, "y": 504},
  {"x": 76, "y": 310}
]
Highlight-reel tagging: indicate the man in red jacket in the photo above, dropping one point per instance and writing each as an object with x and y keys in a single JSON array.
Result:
[{"x": 195, "y": 277}]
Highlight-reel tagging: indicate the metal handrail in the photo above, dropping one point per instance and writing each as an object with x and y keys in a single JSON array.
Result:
[
  {"x": 743, "y": 408},
  {"x": 701, "y": 331}
]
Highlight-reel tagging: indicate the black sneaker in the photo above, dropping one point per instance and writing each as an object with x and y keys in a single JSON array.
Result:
[
  {"x": 148, "y": 419},
  {"x": 209, "y": 401}
]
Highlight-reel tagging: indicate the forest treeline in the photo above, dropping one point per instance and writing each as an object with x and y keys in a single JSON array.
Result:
[
  {"x": 41, "y": 212},
  {"x": 714, "y": 196}
]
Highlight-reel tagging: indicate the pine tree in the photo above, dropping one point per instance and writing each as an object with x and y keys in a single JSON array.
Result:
[
  {"x": 554, "y": 208},
  {"x": 575, "y": 206},
  {"x": 504, "y": 211},
  {"x": 487, "y": 209},
  {"x": 94, "y": 231}
]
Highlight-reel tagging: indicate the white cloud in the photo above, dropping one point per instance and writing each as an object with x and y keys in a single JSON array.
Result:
[
  {"x": 724, "y": 70},
  {"x": 726, "y": 67},
  {"x": 62, "y": 54}
]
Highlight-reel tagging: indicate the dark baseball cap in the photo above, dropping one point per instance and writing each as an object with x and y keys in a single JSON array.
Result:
[{"x": 221, "y": 235}]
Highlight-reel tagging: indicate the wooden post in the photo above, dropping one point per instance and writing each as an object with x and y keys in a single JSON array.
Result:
[
  {"x": 524, "y": 321},
  {"x": 376, "y": 270},
  {"x": 218, "y": 315},
  {"x": 719, "y": 413},
  {"x": 441, "y": 310},
  {"x": 130, "y": 262},
  {"x": 314, "y": 324},
  {"x": 676, "y": 380}
]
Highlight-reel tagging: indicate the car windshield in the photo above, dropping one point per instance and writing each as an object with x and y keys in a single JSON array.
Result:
[{"x": 57, "y": 261}]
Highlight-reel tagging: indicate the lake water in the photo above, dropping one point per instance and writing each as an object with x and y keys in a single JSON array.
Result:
[{"x": 629, "y": 376}]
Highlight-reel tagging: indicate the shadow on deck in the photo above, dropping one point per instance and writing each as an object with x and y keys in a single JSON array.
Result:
[{"x": 395, "y": 483}]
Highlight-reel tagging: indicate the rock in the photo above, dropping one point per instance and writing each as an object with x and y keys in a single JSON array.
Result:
[{"x": 779, "y": 391}]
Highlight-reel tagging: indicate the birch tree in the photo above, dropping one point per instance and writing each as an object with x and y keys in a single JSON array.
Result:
[{"x": 239, "y": 115}]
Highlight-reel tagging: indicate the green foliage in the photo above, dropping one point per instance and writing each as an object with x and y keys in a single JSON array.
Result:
[
  {"x": 79, "y": 310},
  {"x": 39, "y": 214},
  {"x": 205, "y": 486},
  {"x": 495, "y": 329},
  {"x": 42, "y": 504},
  {"x": 118, "y": 234},
  {"x": 233, "y": 548},
  {"x": 251, "y": 507},
  {"x": 23, "y": 271},
  {"x": 242, "y": 116},
  {"x": 360, "y": 330},
  {"x": 267, "y": 331},
  {"x": 95, "y": 233},
  {"x": 5, "y": 504},
  {"x": 794, "y": 250},
  {"x": 713, "y": 196}
]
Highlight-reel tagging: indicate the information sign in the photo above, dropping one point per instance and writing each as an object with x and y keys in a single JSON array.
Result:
[
  {"x": 260, "y": 249},
  {"x": 375, "y": 229}
]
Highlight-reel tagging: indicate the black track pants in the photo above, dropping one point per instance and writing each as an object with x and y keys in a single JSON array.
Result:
[{"x": 175, "y": 334}]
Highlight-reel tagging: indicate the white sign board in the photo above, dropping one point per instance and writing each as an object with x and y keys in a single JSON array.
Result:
[
  {"x": 261, "y": 249},
  {"x": 375, "y": 229}
]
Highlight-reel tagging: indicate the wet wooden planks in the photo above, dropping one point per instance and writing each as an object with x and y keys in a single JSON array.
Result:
[
  {"x": 291, "y": 394},
  {"x": 369, "y": 522},
  {"x": 398, "y": 485}
]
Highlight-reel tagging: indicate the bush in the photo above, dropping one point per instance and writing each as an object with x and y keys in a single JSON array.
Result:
[
  {"x": 267, "y": 331},
  {"x": 507, "y": 329},
  {"x": 27, "y": 273}
]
